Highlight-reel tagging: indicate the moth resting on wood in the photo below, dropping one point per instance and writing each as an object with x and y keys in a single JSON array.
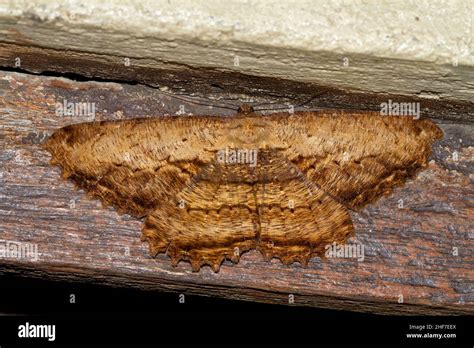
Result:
[{"x": 212, "y": 188}]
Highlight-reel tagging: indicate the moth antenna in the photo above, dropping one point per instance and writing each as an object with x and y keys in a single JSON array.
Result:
[
  {"x": 296, "y": 106},
  {"x": 194, "y": 101}
]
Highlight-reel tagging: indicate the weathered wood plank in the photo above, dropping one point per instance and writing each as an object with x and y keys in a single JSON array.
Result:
[
  {"x": 209, "y": 81},
  {"x": 419, "y": 242}
]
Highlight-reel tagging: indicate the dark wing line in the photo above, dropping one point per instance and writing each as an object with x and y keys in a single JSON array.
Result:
[{"x": 312, "y": 184}]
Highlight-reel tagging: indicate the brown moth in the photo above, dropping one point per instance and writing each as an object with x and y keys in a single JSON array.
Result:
[{"x": 212, "y": 188}]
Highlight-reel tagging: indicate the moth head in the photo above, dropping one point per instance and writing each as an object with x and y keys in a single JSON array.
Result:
[{"x": 245, "y": 109}]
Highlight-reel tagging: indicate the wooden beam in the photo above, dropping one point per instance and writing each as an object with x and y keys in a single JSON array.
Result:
[
  {"x": 215, "y": 82},
  {"x": 419, "y": 241}
]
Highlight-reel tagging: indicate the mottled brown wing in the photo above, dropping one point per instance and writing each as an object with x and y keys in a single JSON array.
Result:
[
  {"x": 298, "y": 220},
  {"x": 356, "y": 158},
  {"x": 228, "y": 209},
  {"x": 134, "y": 165},
  {"x": 211, "y": 219}
]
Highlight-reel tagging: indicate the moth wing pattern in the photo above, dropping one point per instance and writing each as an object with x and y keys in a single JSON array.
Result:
[
  {"x": 297, "y": 219},
  {"x": 312, "y": 168},
  {"x": 357, "y": 158},
  {"x": 210, "y": 220},
  {"x": 229, "y": 209},
  {"x": 133, "y": 165}
]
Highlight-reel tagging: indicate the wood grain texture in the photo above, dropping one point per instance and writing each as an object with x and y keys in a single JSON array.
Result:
[
  {"x": 224, "y": 84},
  {"x": 409, "y": 236}
]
